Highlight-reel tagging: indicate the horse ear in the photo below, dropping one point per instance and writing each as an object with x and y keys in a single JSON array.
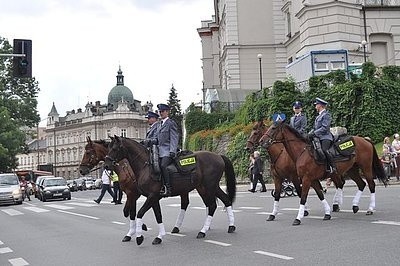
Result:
[
  {"x": 116, "y": 137},
  {"x": 88, "y": 140}
]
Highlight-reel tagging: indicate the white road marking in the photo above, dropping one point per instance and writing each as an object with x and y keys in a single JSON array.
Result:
[
  {"x": 175, "y": 234},
  {"x": 18, "y": 262},
  {"x": 250, "y": 208},
  {"x": 5, "y": 250},
  {"x": 387, "y": 222},
  {"x": 36, "y": 209},
  {"x": 12, "y": 212},
  {"x": 218, "y": 243},
  {"x": 81, "y": 204},
  {"x": 198, "y": 208},
  {"x": 273, "y": 255},
  {"x": 120, "y": 223},
  {"x": 1, "y": 243},
  {"x": 264, "y": 213},
  {"x": 61, "y": 207},
  {"x": 81, "y": 215},
  {"x": 174, "y": 205}
]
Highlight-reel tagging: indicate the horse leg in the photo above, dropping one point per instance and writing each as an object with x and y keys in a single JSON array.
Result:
[
  {"x": 338, "y": 197},
  {"x": 211, "y": 204},
  {"x": 306, "y": 183},
  {"x": 130, "y": 205},
  {"x": 229, "y": 211},
  {"x": 181, "y": 215},
  {"x": 296, "y": 183},
  {"x": 150, "y": 201},
  {"x": 161, "y": 228},
  {"x": 355, "y": 176},
  {"x": 371, "y": 185},
  {"x": 319, "y": 190},
  {"x": 277, "y": 195}
]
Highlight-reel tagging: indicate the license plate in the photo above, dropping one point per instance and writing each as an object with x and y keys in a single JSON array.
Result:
[{"x": 57, "y": 194}]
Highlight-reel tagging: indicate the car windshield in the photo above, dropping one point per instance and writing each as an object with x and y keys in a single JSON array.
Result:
[
  {"x": 54, "y": 182},
  {"x": 8, "y": 180}
]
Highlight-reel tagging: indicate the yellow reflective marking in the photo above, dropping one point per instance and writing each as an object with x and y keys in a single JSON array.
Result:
[
  {"x": 187, "y": 161},
  {"x": 346, "y": 145}
]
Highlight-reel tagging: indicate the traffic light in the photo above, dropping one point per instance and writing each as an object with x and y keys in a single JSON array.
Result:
[{"x": 22, "y": 66}]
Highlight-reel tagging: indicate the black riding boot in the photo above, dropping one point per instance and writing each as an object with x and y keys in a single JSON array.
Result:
[
  {"x": 331, "y": 162},
  {"x": 166, "y": 188}
]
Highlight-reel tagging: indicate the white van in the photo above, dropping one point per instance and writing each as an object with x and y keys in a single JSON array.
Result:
[{"x": 10, "y": 190}]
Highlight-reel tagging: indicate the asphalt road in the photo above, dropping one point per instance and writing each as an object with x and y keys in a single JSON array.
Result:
[{"x": 80, "y": 232}]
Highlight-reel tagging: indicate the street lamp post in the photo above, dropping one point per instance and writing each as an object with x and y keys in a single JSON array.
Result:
[
  {"x": 259, "y": 56},
  {"x": 364, "y": 44}
]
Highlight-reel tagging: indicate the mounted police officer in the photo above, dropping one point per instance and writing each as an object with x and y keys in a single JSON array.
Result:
[
  {"x": 299, "y": 120},
  {"x": 151, "y": 134},
  {"x": 167, "y": 140},
  {"x": 322, "y": 126}
]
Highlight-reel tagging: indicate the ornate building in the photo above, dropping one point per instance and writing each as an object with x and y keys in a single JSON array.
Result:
[{"x": 66, "y": 136}]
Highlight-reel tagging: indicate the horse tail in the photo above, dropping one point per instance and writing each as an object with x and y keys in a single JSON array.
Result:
[
  {"x": 230, "y": 178},
  {"x": 379, "y": 172}
]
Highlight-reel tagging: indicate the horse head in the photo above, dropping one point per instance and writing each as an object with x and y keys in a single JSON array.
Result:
[
  {"x": 257, "y": 132},
  {"x": 95, "y": 152},
  {"x": 121, "y": 148}
]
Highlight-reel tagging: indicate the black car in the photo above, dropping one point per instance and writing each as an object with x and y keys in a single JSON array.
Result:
[{"x": 53, "y": 188}]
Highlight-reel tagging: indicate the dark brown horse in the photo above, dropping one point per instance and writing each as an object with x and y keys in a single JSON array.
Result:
[
  {"x": 209, "y": 170},
  {"x": 96, "y": 151},
  {"x": 308, "y": 170},
  {"x": 282, "y": 167}
]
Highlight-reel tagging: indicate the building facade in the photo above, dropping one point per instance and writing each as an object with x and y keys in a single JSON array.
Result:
[
  {"x": 280, "y": 31},
  {"x": 66, "y": 137}
]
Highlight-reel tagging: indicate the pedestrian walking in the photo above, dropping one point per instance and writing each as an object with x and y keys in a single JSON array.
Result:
[
  {"x": 105, "y": 178},
  {"x": 258, "y": 173},
  {"x": 117, "y": 189}
]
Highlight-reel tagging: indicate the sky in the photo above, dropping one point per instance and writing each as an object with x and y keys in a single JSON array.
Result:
[{"x": 78, "y": 46}]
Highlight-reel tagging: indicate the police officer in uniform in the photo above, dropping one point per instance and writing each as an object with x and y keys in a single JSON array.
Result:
[
  {"x": 322, "y": 126},
  {"x": 151, "y": 134},
  {"x": 167, "y": 140},
  {"x": 299, "y": 120}
]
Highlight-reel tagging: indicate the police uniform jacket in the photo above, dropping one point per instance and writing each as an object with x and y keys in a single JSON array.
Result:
[
  {"x": 167, "y": 137},
  {"x": 151, "y": 133},
  {"x": 322, "y": 126},
  {"x": 299, "y": 123}
]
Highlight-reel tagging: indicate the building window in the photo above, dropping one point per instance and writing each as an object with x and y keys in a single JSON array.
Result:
[
  {"x": 288, "y": 25},
  {"x": 123, "y": 132}
]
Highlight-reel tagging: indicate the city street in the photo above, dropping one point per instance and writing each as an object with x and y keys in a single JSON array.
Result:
[{"x": 81, "y": 232}]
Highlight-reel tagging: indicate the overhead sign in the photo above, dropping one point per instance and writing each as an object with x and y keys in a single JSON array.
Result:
[{"x": 279, "y": 117}]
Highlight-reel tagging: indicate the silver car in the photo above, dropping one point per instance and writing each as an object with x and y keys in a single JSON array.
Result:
[{"x": 10, "y": 190}]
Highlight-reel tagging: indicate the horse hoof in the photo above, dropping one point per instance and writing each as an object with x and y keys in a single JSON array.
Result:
[
  {"x": 201, "y": 235},
  {"x": 306, "y": 213},
  {"x": 144, "y": 227},
  {"x": 355, "y": 209},
  {"x": 335, "y": 208},
  {"x": 369, "y": 212},
  {"x": 126, "y": 239},
  {"x": 156, "y": 241},
  {"x": 175, "y": 230},
  {"x": 271, "y": 218},
  {"x": 139, "y": 240},
  {"x": 296, "y": 222},
  {"x": 327, "y": 217},
  {"x": 231, "y": 229}
]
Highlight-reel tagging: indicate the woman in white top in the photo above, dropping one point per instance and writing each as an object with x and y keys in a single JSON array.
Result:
[{"x": 396, "y": 148}]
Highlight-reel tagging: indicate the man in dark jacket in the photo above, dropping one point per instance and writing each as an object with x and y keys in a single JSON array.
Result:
[{"x": 258, "y": 173}]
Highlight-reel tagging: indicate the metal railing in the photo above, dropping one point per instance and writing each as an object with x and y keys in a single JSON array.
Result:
[{"x": 379, "y": 2}]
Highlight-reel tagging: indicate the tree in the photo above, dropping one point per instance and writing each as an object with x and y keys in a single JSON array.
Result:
[
  {"x": 176, "y": 112},
  {"x": 18, "y": 101}
]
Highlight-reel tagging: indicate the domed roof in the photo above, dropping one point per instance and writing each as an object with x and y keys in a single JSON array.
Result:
[{"x": 120, "y": 92}]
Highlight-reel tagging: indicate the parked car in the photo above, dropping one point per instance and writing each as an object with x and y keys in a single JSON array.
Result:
[
  {"x": 98, "y": 183},
  {"x": 53, "y": 188},
  {"x": 90, "y": 184},
  {"x": 81, "y": 184},
  {"x": 36, "y": 188},
  {"x": 73, "y": 186},
  {"x": 10, "y": 190}
]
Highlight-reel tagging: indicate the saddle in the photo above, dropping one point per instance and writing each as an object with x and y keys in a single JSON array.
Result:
[
  {"x": 342, "y": 149},
  {"x": 184, "y": 166}
]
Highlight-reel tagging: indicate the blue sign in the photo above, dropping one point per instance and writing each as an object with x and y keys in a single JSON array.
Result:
[{"x": 278, "y": 117}]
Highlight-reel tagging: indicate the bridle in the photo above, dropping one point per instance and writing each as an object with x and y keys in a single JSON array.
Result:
[{"x": 92, "y": 159}]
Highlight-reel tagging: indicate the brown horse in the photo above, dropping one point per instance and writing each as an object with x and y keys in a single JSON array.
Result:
[
  {"x": 282, "y": 167},
  {"x": 209, "y": 170},
  {"x": 96, "y": 151},
  {"x": 308, "y": 170}
]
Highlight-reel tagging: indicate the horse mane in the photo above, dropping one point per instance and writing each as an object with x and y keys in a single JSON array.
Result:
[
  {"x": 295, "y": 132},
  {"x": 102, "y": 142}
]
